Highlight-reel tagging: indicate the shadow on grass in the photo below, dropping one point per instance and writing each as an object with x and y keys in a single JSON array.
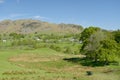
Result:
[{"x": 85, "y": 62}]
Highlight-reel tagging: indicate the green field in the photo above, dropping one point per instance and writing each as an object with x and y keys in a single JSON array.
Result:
[{"x": 47, "y": 64}]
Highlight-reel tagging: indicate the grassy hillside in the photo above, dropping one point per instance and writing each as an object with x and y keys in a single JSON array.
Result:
[{"x": 31, "y": 26}]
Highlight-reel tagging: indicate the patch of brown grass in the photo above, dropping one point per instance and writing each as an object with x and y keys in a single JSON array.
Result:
[{"x": 33, "y": 58}]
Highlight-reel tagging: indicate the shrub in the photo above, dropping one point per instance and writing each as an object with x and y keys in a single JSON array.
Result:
[{"x": 67, "y": 50}]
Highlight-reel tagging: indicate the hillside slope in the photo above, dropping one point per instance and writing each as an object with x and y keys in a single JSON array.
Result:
[{"x": 31, "y": 26}]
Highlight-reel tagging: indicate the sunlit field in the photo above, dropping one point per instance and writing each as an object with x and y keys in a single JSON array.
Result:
[{"x": 47, "y": 64}]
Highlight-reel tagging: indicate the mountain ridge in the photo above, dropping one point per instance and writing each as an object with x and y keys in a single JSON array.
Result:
[{"x": 26, "y": 26}]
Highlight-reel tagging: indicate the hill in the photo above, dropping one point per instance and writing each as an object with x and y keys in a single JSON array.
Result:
[{"x": 25, "y": 26}]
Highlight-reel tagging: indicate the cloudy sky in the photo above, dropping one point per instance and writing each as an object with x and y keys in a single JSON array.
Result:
[{"x": 100, "y": 13}]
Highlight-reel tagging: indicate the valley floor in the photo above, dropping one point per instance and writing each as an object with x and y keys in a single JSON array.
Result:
[{"x": 47, "y": 64}]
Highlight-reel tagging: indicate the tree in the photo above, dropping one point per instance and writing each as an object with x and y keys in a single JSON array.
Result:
[
  {"x": 85, "y": 35},
  {"x": 88, "y": 32},
  {"x": 98, "y": 45},
  {"x": 93, "y": 45},
  {"x": 16, "y": 36},
  {"x": 117, "y": 36},
  {"x": 108, "y": 50}
]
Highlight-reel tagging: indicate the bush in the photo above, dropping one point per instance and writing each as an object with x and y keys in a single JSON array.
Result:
[
  {"x": 67, "y": 50},
  {"x": 54, "y": 47},
  {"x": 89, "y": 73},
  {"x": 24, "y": 42}
]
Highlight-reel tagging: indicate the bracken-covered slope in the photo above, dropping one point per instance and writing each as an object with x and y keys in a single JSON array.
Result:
[{"x": 31, "y": 26}]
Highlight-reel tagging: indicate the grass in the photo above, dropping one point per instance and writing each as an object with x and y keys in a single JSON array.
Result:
[{"x": 47, "y": 64}]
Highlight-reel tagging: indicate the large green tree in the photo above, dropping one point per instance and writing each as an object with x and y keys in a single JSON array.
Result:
[
  {"x": 93, "y": 45},
  {"x": 108, "y": 50},
  {"x": 85, "y": 35},
  {"x": 98, "y": 45}
]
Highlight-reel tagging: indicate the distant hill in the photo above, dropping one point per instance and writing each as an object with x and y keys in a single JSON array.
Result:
[{"x": 25, "y": 26}]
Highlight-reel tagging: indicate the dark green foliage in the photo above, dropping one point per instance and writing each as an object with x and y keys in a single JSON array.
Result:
[
  {"x": 98, "y": 45},
  {"x": 16, "y": 36},
  {"x": 88, "y": 32},
  {"x": 85, "y": 35},
  {"x": 108, "y": 51},
  {"x": 109, "y": 44},
  {"x": 117, "y": 36},
  {"x": 89, "y": 73}
]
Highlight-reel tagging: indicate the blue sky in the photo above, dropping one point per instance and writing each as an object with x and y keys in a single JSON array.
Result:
[{"x": 100, "y": 13}]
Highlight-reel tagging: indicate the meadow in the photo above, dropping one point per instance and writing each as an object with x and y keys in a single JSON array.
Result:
[{"x": 48, "y": 64}]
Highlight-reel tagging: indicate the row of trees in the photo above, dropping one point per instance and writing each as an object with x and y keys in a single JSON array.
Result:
[
  {"x": 100, "y": 45},
  {"x": 38, "y": 35}
]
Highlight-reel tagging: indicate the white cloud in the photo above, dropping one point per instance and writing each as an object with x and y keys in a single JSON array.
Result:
[
  {"x": 14, "y": 16},
  {"x": 37, "y": 17},
  {"x": 40, "y": 17},
  {"x": 1, "y": 1}
]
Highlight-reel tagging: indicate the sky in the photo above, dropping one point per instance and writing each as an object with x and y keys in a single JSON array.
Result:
[{"x": 98, "y": 13}]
